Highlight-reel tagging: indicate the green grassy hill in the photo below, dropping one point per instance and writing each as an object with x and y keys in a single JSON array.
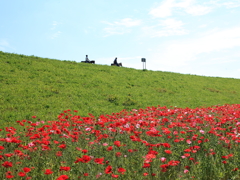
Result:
[{"x": 43, "y": 87}]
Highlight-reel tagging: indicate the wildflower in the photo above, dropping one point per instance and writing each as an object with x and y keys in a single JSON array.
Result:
[
  {"x": 166, "y": 145},
  {"x": 118, "y": 154},
  {"x": 26, "y": 169},
  {"x": 225, "y": 157},
  {"x": 164, "y": 166},
  {"x": 130, "y": 150},
  {"x": 7, "y": 164},
  {"x": 163, "y": 159},
  {"x": 8, "y": 154},
  {"x": 98, "y": 175},
  {"x": 79, "y": 149},
  {"x": 121, "y": 170},
  {"x": 145, "y": 174},
  {"x": 63, "y": 146},
  {"x": 59, "y": 153},
  {"x": 188, "y": 141},
  {"x": 168, "y": 151},
  {"x": 187, "y": 150},
  {"x": 84, "y": 151},
  {"x": 21, "y": 174},
  {"x": 62, "y": 177},
  {"x": 230, "y": 155},
  {"x": 66, "y": 168},
  {"x": 9, "y": 175},
  {"x": 48, "y": 171},
  {"x": 115, "y": 175},
  {"x": 99, "y": 160},
  {"x": 201, "y": 131},
  {"x": 235, "y": 169},
  {"x": 186, "y": 171},
  {"x": 56, "y": 142},
  {"x": 146, "y": 165},
  {"x": 84, "y": 159},
  {"x": 173, "y": 163},
  {"x": 187, "y": 154},
  {"x": 117, "y": 143},
  {"x": 109, "y": 148},
  {"x": 108, "y": 169}
]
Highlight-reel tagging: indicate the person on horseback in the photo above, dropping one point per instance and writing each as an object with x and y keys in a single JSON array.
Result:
[
  {"x": 87, "y": 60},
  {"x": 115, "y": 62}
]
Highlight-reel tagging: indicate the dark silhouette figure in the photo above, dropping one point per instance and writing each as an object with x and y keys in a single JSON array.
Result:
[
  {"x": 115, "y": 62},
  {"x": 87, "y": 60}
]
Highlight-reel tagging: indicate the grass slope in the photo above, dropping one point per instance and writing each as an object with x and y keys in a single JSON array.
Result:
[{"x": 44, "y": 87}]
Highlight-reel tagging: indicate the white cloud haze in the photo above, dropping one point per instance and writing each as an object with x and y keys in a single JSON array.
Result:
[{"x": 167, "y": 8}]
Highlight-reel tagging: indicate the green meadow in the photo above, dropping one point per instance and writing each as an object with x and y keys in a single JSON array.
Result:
[{"x": 34, "y": 86}]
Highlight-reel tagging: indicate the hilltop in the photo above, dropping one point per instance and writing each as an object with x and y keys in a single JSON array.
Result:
[{"x": 45, "y": 87}]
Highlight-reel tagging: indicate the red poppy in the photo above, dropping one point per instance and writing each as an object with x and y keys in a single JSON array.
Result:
[
  {"x": 21, "y": 174},
  {"x": 168, "y": 151},
  {"x": 63, "y": 146},
  {"x": 145, "y": 174},
  {"x": 173, "y": 163},
  {"x": 84, "y": 151},
  {"x": 48, "y": 171},
  {"x": 9, "y": 175},
  {"x": 59, "y": 153},
  {"x": 7, "y": 164},
  {"x": 166, "y": 145},
  {"x": 118, "y": 154},
  {"x": 108, "y": 169},
  {"x": 146, "y": 165},
  {"x": 121, "y": 170},
  {"x": 130, "y": 150},
  {"x": 84, "y": 159},
  {"x": 63, "y": 177},
  {"x": 164, "y": 166},
  {"x": 109, "y": 148},
  {"x": 26, "y": 169},
  {"x": 115, "y": 175},
  {"x": 66, "y": 168},
  {"x": 99, "y": 160},
  {"x": 117, "y": 143}
]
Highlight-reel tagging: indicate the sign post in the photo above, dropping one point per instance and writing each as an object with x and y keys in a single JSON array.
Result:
[{"x": 144, "y": 63}]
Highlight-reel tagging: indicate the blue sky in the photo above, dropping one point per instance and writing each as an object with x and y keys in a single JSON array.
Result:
[{"x": 199, "y": 37}]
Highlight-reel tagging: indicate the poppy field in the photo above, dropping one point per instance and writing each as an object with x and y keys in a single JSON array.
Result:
[{"x": 153, "y": 143}]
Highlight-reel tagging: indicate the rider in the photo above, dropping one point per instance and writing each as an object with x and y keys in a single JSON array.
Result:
[
  {"x": 115, "y": 62},
  {"x": 87, "y": 60}
]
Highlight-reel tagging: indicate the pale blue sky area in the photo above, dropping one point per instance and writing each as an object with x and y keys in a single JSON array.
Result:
[{"x": 199, "y": 37}]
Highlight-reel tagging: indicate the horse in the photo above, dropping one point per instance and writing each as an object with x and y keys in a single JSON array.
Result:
[
  {"x": 91, "y": 62},
  {"x": 119, "y": 64}
]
